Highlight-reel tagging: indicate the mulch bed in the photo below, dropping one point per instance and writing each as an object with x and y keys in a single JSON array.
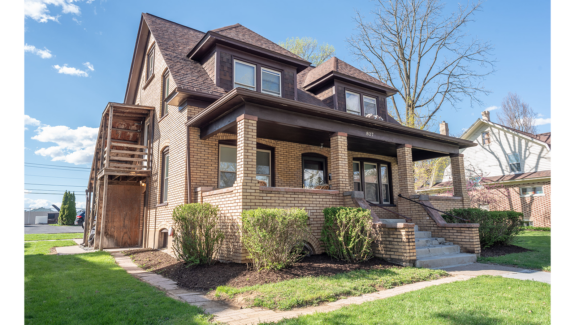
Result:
[
  {"x": 500, "y": 250},
  {"x": 206, "y": 277}
]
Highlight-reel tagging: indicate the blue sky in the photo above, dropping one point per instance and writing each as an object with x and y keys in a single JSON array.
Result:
[{"x": 78, "y": 54}]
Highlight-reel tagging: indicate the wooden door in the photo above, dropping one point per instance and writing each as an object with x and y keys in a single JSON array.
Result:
[{"x": 123, "y": 216}]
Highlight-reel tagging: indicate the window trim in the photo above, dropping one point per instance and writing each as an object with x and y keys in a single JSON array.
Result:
[
  {"x": 165, "y": 92},
  {"x": 164, "y": 191},
  {"x": 255, "y": 86},
  {"x": 220, "y": 145},
  {"x": 352, "y": 176},
  {"x": 317, "y": 157},
  {"x": 531, "y": 195},
  {"x": 347, "y": 110},
  {"x": 259, "y": 147},
  {"x": 485, "y": 140},
  {"x": 363, "y": 104},
  {"x": 516, "y": 155},
  {"x": 389, "y": 177},
  {"x": 270, "y": 162},
  {"x": 262, "y": 81},
  {"x": 150, "y": 63},
  {"x": 361, "y": 95}
]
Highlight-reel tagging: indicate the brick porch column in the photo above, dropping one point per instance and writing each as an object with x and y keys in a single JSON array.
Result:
[
  {"x": 406, "y": 180},
  {"x": 339, "y": 164},
  {"x": 458, "y": 178}
]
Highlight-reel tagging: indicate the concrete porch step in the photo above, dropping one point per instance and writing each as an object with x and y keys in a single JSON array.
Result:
[
  {"x": 437, "y": 250},
  {"x": 423, "y": 234},
  {"x": 425, "y": 242},
  {"x": 392, "y": 221},
  {"x": 446, "y": 260}
]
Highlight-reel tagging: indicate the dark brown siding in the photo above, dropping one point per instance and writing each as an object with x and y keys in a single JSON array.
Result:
[
  {"x": 340, "y": 93},
  {"x": 326, "y": 94},
  {"x": 288, "y": 87},
  {"x": 226, "y": 71},
  {"x": 209, "y": 64},
  {"x": 382, "y": 107}
]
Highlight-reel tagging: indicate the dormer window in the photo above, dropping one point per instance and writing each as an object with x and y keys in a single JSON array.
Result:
[
  {"x": 244, "y": 75},
  {"x": 359, "y": 104},
  {"x": 271, "y": 82}
]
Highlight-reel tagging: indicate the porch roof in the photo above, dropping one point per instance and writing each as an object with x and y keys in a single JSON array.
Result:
[{"x": 294, "y": 121}]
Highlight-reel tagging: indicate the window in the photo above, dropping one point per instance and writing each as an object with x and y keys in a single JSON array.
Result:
[
  {"x": 356, "y": 176},
  {"x": 263, "y": 167},
  {"x": 373, "y": 178},
  {"x": 228, "y": 166},
  {"x": 369, "y": 105},
  {"x": 165, "y": 173},
  {"x": 352, "y": 103},
  {"x": 484, "y": 207},
  {"x": 146, "y": 127},
  {"x": 244, "y": 75},
  {"x": 150, "y": 64},
  {"x": 165, "y": 92},
  {"x": 314, "y": 171},
  {"x": 485, "y": 138},
  {"x": 271, "y": 82},
  {"x": 514, "y": 162},
  {"x": 532, "y": 191}
]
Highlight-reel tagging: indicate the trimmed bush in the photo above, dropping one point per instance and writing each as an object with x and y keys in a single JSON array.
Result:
[
  {"x": 347, "y": 234},
  {"x": 274, "y": 238},
  {"x": 531, "y": 228},
  {"x": 495, "y": 227},
  {"x": 197, "y": 238}
]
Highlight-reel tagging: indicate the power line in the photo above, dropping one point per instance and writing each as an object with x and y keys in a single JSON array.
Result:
[
  {"x": 57, "y": 177},
  {"x": 44, "y": 189},
  {"x": 51, "y": 193},
  {"x": 50, "y": 165},
  {"x": 54, "y": 185},
  {"x": 70, "y": 170}
]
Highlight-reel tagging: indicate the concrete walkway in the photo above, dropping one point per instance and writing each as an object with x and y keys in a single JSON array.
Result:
[{"x": 477, "y": 269}]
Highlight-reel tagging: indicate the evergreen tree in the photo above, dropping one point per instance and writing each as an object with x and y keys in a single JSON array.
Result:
[
  {"x": 63, "y": 209},
  {"x": 71, "y": 208}
]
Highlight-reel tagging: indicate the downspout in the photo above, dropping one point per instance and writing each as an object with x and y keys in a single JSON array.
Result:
[{"x": 188, "y": 172}]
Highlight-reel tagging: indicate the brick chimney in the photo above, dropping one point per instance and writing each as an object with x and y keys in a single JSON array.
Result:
[
  {"x": 485, "y": 116},
  {"x": 443, "y": 128}
]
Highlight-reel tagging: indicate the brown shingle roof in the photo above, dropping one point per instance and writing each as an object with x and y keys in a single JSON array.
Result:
[
  {"x": 543, "y": 137},
  {"x": 504, "y": 178},
  {"x": 174, "y": 42},
  {"x": 336, "y": 65},
  {"x": 246, "y": 35}
]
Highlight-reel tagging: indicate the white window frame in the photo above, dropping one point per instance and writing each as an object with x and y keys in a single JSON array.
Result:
[
  {"x": 483, "y": 138},
  {"x": 530, "y": 195},
  {"x": 377, "y": 183},
  {"x": 375, "y": 101},
  {"x": 382, "y": 183},
  {"x": 219, "y": 161},
  {"x": 515, "y": 155},
  {"x": 346, "y": 106},
  {"x": 262, "y": 81},
  {"x": 270, "y": 164},
  {"x": 255, "y": 86},
  {"x": 165, "y": 180}
]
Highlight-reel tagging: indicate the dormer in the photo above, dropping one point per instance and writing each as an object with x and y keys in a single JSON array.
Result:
[
  {"x": 235, "y": 56},
  {"x": 347, "y": 89}
]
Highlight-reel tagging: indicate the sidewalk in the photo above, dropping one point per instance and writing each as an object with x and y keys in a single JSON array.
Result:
[{"x": 477, "y": 269}]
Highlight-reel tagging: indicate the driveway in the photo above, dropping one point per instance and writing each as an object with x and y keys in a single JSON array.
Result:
[{"x": 46, "y": 229}]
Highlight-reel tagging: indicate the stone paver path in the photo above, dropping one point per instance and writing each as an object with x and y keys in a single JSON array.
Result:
[{"x": 235, "y": 316}]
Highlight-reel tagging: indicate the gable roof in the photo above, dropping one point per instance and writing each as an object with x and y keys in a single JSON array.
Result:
[
  {"x": 175, "y": 41},
  {"x": 542, "y": 138},
  {"x": 336, "y": 65}
]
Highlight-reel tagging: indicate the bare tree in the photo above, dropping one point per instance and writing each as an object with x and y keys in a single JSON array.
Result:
[
  {"x": 517, "y": 114},
  {"x": 414, "y": 47}
]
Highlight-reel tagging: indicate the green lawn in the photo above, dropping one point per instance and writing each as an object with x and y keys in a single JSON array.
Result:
[
  {"x": 53, "y": 236},
  {"x": 482, "y": 300},
  {"x": 313, "y": 290},
  {"x": 539, "y": 258},
  {"x": 92, "y": 289}
]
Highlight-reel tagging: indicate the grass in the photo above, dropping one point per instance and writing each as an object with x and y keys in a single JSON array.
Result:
[
  {"x": 53, "y": 236},
  {"x": 482, "y": 300},
  {"x": 538, "y": 259},
  {"x": 313, "y": 290},
  {"x": 92, "y": 289}
]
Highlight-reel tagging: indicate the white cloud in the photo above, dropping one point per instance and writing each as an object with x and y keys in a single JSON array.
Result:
[
  {"x": 491, "y": 108},
  {"x": 71, "y": 71},
  {"x": 89, "y": 66},
  {"x": 542, "y": 121},
  {"x": 38, "y": 9},
  {"x": 37, "y": 203},
  {"x": 79, "y": 22},
  {"x": 44, "y": 54},
  {"x": 27, "y": 120},
  {"x": 80, "y": 204},
  {"x": 74, "y": 146}
]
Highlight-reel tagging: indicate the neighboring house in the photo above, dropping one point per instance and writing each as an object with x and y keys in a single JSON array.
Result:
[
  {"x": 230, "y": 118},
  {"x": 518, "y": 160},
  {"x": 40, "y": 216}
]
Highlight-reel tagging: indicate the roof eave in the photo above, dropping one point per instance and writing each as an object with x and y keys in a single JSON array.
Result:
[
  {"x": 389, "y": 91},
  {"x": 135, "y": 67}
]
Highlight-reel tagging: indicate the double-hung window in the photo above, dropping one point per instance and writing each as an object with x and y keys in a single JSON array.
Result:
[
  {"x": 373, "y": 179},
  {"x": 264, "y": 167},
  {"x": 165, "y": 92},
  {"x": 244, "y": 75},
  {"x": 271, "y": 82},
  {"x": 150, "y": 64},
  {"x": 314, "y": 171},
  {"x": 356, "y": 176},
  {"x": 352, "y": 103},
  {"x": 228, "y": 166},
  {"x": 165, "y": 174},
  {"x": 369, "y": 105},
  {"x": 514, "y": 162}
]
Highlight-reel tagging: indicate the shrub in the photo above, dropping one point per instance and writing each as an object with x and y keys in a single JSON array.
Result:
[
  {"x": 274, "y": 238},
  {"x": 495, "y": 227},
  {"x": 347, "y": 234},
  {"x": 531, "y": 228},
  {"x": 197, "y": 238}
]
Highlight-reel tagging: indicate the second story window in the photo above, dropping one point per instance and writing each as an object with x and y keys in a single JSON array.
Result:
[
  {"x": 150, "y": 64},
  {"x": 244, "y": 75},
  {"x": 271, "y": 82},
  {"x": 369, "y": 105},
  {"x": 165, "y": 168},
  {"x": 352, "y": 103},
  {"x": 485, "y": 138},
  {"x": 514, "y": 162},
  {"x": 165, "y": 92}
]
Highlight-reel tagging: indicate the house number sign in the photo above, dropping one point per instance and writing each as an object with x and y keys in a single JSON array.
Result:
[{"x": 369, "y": 134}]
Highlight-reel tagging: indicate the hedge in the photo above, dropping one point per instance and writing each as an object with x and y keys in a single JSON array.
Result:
[
  {"x": 347, "y": 234},
  {"x": 531, "y": 228}
]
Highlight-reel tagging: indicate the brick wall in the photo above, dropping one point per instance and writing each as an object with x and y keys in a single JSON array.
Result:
[
  {"x": 534, "y": 208},
  {"x": 395, "y": 243}
]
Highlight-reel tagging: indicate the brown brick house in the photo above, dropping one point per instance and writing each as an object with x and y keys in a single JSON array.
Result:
[{"x": 231, "y": 118}]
